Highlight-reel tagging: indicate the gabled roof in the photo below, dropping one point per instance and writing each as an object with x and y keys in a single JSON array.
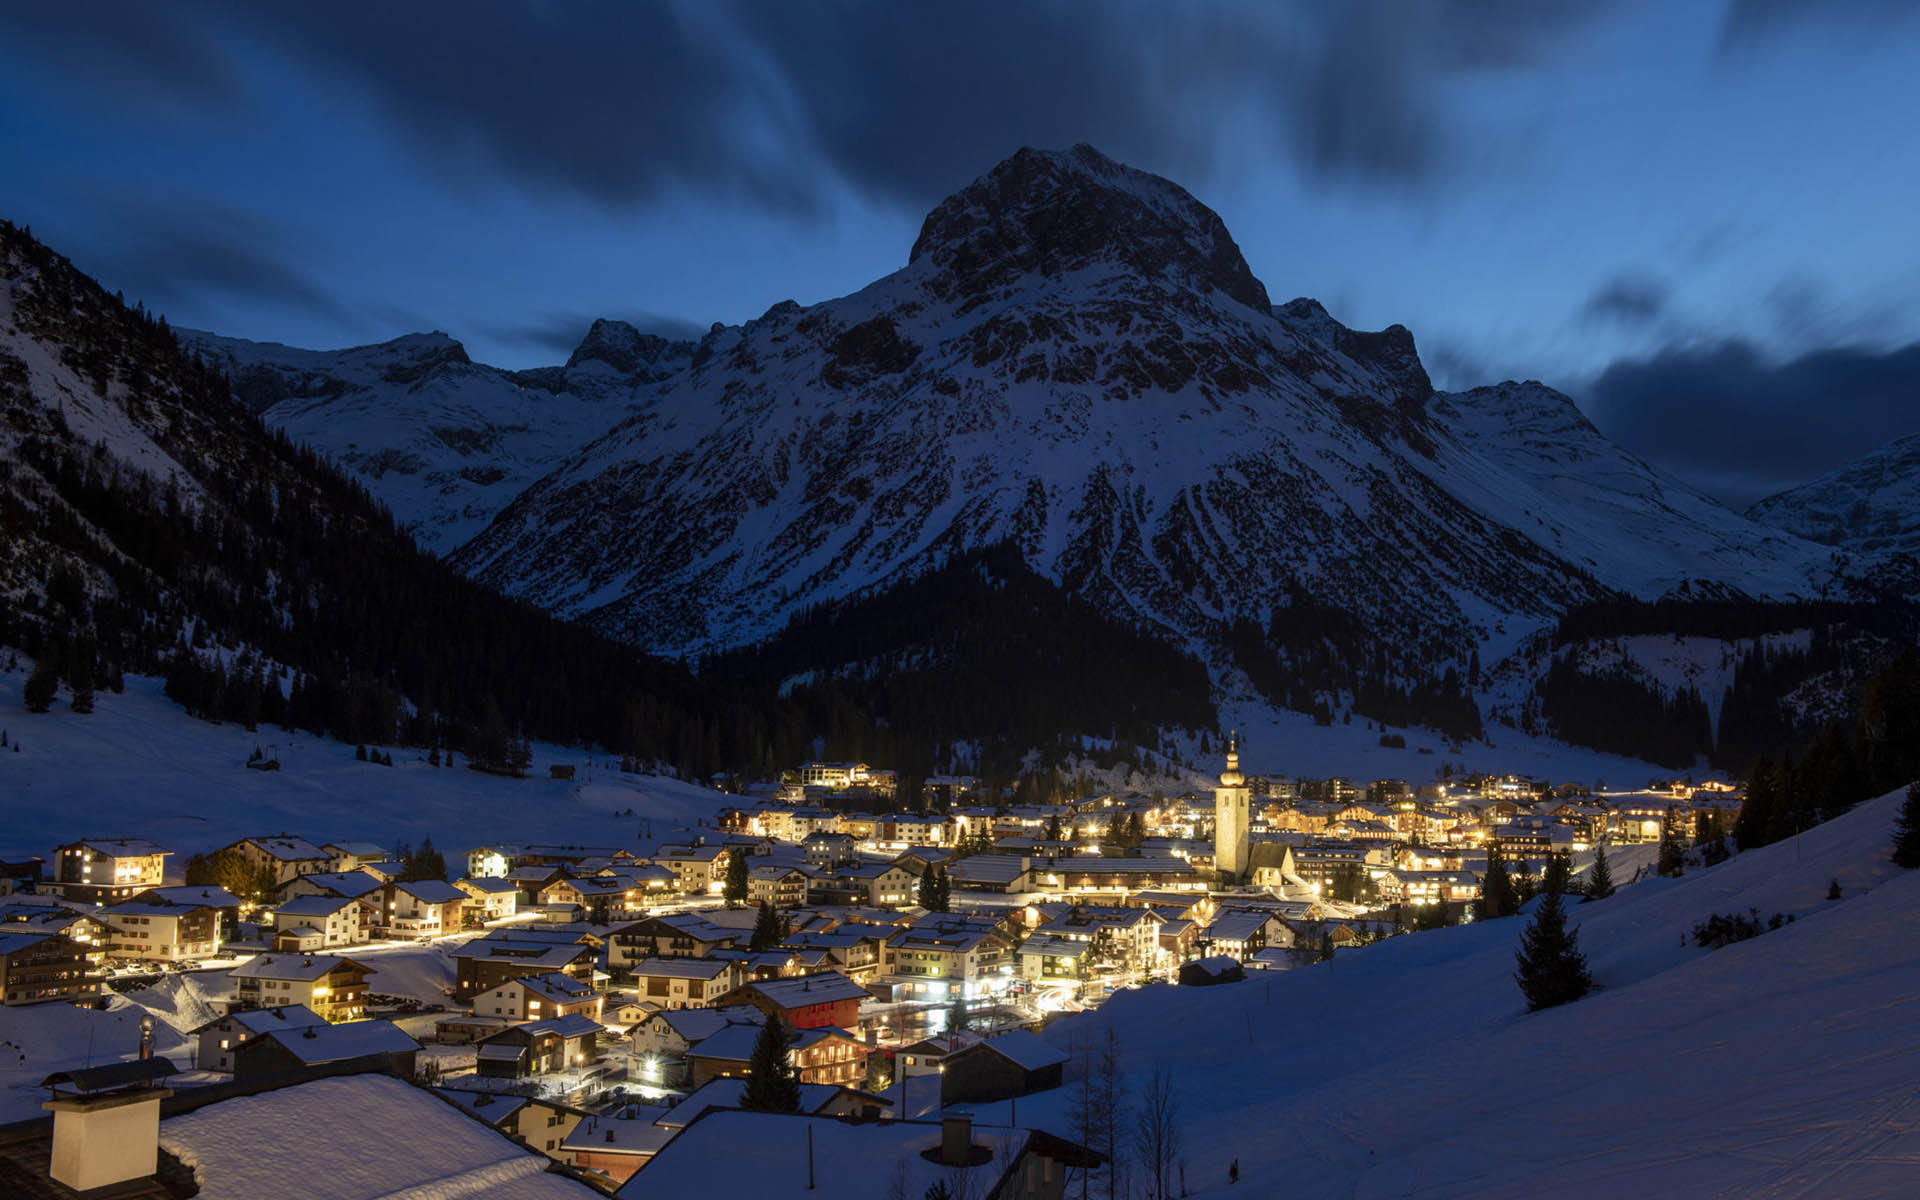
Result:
[
  {"x": 554, "y": 986},
  {"x": 288, "y": 848},
  {"x": 119, "y": 847},
  {"x": 260, "y": 1020},
  {"x": 302, "y": 967},
  {"x": 431, "y": 891},
  {"x": 1236, "y": 924},
  {"x": 1021, "y": 1048},
  {"x": 148, "y": 908},
  {"x": 492, "y": 885},
  {"x": 341, "y": 883},
  {"x": 825, "y": 988},
  {"x": 571, "y": 1025},
  {"x": 324, "y": 1043},
  {"x": 682, "y": 968},
  {"x": 734, "y": 1043},
  {"x": 695, "y": 1024},
  {"x": 357, "y": 849},
  {"x": 216, "y": 897},
  {"x": 314, "y": 906}
]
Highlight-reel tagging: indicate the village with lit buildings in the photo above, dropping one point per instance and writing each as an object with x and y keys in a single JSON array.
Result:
[{"x": 600, "y": 998}]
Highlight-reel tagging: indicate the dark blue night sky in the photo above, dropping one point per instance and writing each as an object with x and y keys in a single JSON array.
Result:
[{"x": 1697, "y": 217}]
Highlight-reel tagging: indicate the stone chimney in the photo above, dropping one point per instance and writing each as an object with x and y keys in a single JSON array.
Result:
[{"x": 956, "y": 1141}]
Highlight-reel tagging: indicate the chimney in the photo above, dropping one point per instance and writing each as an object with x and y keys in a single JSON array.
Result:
[
  {"x": 956, "y": 1141},
  {"x": 146, "y": 1036},
  {"x": 105, "y": 1138}
]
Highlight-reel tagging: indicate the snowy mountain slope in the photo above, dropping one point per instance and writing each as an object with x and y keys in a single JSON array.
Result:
[
  {"x": 1077, "y": 359},
  {"x": 1523, "y": 454},
  {"x": 1871, "y": 504},
  {"x": 139, "y": 767},
  {"x": 1773, "y": 1067},
  {"x": 442, "y": 441}
]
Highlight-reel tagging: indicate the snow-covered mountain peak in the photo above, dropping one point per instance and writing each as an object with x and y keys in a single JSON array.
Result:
[
  {"x": 1055, "y": 212},
  {"x": 629, "y": 351}
]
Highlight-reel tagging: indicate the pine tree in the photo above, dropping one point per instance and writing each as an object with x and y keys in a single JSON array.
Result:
[
  {"x": 766, "y": 929},
  {"x": 1551, "y": 969},
  {"x": 1326, "y": 947},
  {"x": 928, "y": 895},
  {"x": 1600, "y": 879},
  {"x": 1559, "y": 874},
  {"x": 734, "y": 890},
  {"x": 360, "y": 753},
  {"x": 772, "y": 1083},
  {"x": 1497, "y": 897},
  {"x": 1906, "y": 831},
  {"x": 1833, "y": 889},
  {"x": 1756, "y": 811},
  {"x": 80, "y": 674},
  {"x": 1673, "y": 859},
  {"x": 943, "y": 893},
  {"x": 40, "y": 687}
]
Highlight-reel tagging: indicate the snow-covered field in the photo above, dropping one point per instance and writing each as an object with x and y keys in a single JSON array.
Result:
[
  {"x": 1781, "y": 1066},
  {"x": 140, "y": 767}
]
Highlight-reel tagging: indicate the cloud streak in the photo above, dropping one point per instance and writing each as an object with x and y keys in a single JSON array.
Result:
[{"x": 1741, "y": 427}]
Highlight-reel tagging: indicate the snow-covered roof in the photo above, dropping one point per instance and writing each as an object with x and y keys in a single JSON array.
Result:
[
  {"x": 344, "y": 883},
  {"x": 1237, "y": 924},
  {"x": 324, "y": 1043},
  {"x": 289, "y": 849},
  {"x": 216, "y": 897},
  {"x": 1024, "y": 1049},
  {"x": 695, "y": 1024},
  {"x": 735, "y": 1043},
  {"x": 260, "y": 1020},
  {"x": 765, "y": 1155},
  {"x": 334, "y": 1139},
  {"x": 801, "y": 991},
  {"x": 120, "y": 847},
  {"x": 727, "y": 1093},
  {"x": 490, "y": 884},
  {"x": 313, "y": 906},
  {"x": 682, "y": 968},
  {"x": 570, "y": 1026},
  {"x": 292, "y": 966},
  {"x": 491, "y": 1107},
  {"x": 431, "y": 891}
]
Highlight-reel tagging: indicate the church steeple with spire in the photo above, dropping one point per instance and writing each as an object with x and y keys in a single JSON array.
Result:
[{"x": 1232, "y": 817}]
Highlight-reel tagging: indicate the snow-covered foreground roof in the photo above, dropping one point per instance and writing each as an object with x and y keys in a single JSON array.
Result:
[
  {"x": 1780, "y": 1066},
  {"x": 355, "y": 1138},
  {"x": 764, "y": 1155}
]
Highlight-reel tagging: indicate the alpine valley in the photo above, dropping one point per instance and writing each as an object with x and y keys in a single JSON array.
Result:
[{"x": 1073, "y": 427}]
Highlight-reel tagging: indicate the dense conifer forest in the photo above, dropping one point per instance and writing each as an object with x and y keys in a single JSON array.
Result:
[{"x": 971, "y": 665}]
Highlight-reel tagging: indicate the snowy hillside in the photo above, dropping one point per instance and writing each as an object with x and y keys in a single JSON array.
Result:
[
  {"x": 1076, "y": 359},
  {"x": 1779, "y": 1066},
  {"x": 442, "y": 441},
  {"x": 139, "y": 767},
  {"x": 1870, "y": 505},
  {"x": 1523, "y": 453}
]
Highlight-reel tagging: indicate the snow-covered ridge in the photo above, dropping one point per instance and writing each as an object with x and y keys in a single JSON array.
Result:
[
  {"x": 1870, "y": 505},
  {"x": 444, "y": 442}
]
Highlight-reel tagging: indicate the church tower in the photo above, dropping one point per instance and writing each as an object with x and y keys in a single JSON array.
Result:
[{"x": 1231, "y": 817}]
